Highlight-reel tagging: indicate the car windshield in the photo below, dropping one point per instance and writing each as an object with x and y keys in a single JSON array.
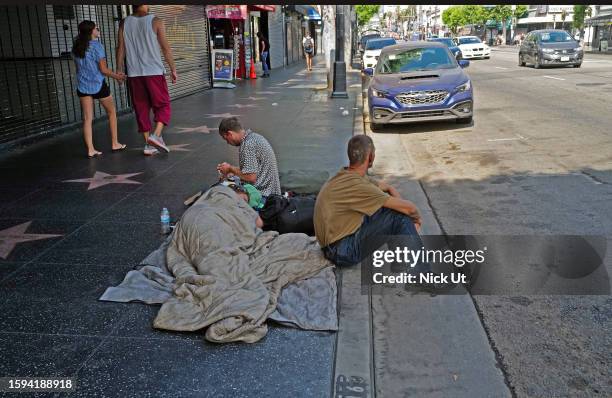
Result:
[
  {"x": 379, "y": 44},
  {"x": 469, "y": 40},
  {"x": 448, "y": 42},
  {"x": 554, "y": 37},
  {"x": 415, "y": 59}
]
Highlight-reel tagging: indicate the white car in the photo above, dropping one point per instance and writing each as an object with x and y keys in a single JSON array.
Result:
[
  {"x": 473, "y": 47},
  {"x": 373, "y": 48}
]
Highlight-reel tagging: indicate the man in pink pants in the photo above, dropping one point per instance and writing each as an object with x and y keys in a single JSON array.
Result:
[{"x": 142, "y": 39}]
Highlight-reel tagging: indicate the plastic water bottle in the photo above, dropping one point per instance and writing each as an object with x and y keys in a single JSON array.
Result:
[{"x": 165, "y": 221}]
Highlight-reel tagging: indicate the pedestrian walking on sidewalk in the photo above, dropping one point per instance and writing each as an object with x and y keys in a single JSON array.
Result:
[
  {"x": 308, "y": 45},
  {"x": 264, "y": 52},
  {"x": 90, "y": 59},
  {"x": 257, "y": 160},
  {"x": 142, "y": 40}
]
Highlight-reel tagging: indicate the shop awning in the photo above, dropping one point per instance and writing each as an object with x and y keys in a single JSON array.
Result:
[
  {"x": 599, "y": 20},
  {"x": 226, "y": 12},
  {"x": 262, "y": 7},
  {"x": 309, "y": 12}
]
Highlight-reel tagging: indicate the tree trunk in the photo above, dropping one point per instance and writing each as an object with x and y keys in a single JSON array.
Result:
[
  {"x": 329, "y": 32},
  {"x": 503, "y": 33}
]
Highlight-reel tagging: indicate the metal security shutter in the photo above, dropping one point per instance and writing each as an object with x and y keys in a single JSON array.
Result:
[
  {"x": 37, "y": 74},
  {"x": 275, "y": 35},
  {"x": 187, "y": 32}
]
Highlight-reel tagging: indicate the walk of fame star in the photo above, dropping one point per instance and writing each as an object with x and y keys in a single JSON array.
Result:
[
  {"x": 199, "y": 129},
  {"x": 240, "y": 106},
  {"x": 10, "y": 237},
  {"x": 223, "y": 115},
  {"x": 100, "y": 179}
]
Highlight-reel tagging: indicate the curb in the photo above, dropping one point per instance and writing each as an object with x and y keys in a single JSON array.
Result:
[{"x": 452, "y": 355}]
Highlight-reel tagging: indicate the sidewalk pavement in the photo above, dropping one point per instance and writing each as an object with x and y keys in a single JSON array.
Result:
[{"x": 71, "y": 226}]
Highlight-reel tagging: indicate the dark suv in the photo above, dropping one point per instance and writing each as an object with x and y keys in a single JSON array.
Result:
[{"x": 550, "y": 47}]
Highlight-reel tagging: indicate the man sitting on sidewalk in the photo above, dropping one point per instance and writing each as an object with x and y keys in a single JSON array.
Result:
[
  {"x": 256, "y": 156},
  {"x": 352, "y": 207}
]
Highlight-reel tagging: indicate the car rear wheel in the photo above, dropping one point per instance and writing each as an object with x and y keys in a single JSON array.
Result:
[
  {"x": 465, "y": 120},
  {"x": 521, "y": 60},
  {"x": 577, "y": 65},
  {"x": 376, "y": 126}
]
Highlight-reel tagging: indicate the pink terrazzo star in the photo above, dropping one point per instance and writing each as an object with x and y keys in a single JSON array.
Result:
[
  {"x": 100, "y": 179},
  {"x": 240, "y": 106},
  {"x": 179, "y": 148},
  {"x": 199, "y": 129},
  {"x": 10, "y": 237},
  {"x": 222, "y": 115}
]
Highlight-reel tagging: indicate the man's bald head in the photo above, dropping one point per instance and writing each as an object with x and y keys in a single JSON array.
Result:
[{"x": 359, "y": 149}]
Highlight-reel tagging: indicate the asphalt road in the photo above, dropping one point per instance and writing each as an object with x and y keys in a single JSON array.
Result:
[{"x": 537, "y": 160}]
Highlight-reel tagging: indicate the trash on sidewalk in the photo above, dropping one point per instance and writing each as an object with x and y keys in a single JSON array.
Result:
[{"x": 215, "y": 239}]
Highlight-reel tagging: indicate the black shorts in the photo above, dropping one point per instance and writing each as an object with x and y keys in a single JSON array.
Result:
[{"x": 103, "y": 93}]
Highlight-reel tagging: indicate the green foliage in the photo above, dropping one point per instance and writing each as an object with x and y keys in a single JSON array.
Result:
[
  {"x": 456, "y": 16},
  {"x": 501, "y": 13},
  {"x": 580, "y": 13},
  {"x": 365, "y": 13},
  {"x": 520, "y": 11}
]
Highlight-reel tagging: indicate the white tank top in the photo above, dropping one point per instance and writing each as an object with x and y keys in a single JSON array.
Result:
[{"x": 142, "y": 52}]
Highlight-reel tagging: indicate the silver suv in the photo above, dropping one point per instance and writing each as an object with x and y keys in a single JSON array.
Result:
[{"x": 550, "y": 47}]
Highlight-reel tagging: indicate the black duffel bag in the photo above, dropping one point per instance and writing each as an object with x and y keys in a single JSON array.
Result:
[{"x": 289, "y": 214}]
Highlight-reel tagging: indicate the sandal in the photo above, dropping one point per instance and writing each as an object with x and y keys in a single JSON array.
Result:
[
  {"x": 121, "y": 148},
  {"x": 95, "y": 155}
]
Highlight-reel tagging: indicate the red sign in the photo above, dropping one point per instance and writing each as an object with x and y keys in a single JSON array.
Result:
[{"x": 226, "y": 12}]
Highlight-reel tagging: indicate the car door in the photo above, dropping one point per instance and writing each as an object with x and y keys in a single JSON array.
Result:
[{"x": 529, "y": 42}]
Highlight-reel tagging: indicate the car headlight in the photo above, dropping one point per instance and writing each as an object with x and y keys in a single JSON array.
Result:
[
  {"x": 464, "y": 87},
  {"x": 379, "y": 93},
  {"x": 548, "y": 50}
]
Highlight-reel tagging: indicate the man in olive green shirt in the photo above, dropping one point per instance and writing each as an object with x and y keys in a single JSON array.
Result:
[{"x": 352, "y": 207}]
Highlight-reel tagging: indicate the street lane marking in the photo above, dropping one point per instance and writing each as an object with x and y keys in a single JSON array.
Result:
[
  {"x": 500, "y": 67},
  {"x": 552, "y": 77},
  {"x": 504, "y": 139},
  {"x": 517, "y": 138}
]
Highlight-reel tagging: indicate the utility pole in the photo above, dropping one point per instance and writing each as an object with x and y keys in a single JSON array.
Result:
[{"x": 339, "y": 82}]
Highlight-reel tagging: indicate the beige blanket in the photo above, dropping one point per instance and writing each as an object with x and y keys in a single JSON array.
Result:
[{"x": 229, "y": 273}]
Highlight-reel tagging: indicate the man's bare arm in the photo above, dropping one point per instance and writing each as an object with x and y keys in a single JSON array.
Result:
[
  {"x": 405, "y": 207},
  {"x": 120, "y": 48},
  {"x": 160, "y": 31}
]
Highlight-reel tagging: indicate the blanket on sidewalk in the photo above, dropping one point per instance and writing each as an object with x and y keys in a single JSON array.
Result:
[{"x": 219, "y": 271}]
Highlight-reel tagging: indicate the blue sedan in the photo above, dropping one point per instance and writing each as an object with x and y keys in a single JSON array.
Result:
[
  {"x": 419, "y": 81},
  {"x": 452, "y": 46}
]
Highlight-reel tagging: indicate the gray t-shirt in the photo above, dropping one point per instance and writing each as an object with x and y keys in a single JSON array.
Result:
[{"x": 257, "y": 156}]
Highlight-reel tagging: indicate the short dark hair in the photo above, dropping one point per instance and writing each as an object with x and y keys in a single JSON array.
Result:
[
  {"x": 230, "y": 123},
  {"x": 359, "y": 147}
]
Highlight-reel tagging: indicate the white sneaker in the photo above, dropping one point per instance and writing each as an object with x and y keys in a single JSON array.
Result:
[
  {"x": 158, "y": 142},
  {"x": 150, "y": 150}
]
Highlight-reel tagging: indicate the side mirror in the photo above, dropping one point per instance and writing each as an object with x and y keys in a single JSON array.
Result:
[
  {"x": 464, "y": 63},
  {"x": 368, "y": 71}
]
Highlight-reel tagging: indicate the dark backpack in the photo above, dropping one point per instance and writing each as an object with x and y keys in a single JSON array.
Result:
[{"x": 289, "y": 214}]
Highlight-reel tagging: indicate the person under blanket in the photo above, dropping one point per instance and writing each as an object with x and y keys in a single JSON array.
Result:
[
  {"x": 246, "y": 191},
  {"x": 249, "y": 195},
  {"x": 256, "y": 157},
  {"x": 351, "y": 207}
]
